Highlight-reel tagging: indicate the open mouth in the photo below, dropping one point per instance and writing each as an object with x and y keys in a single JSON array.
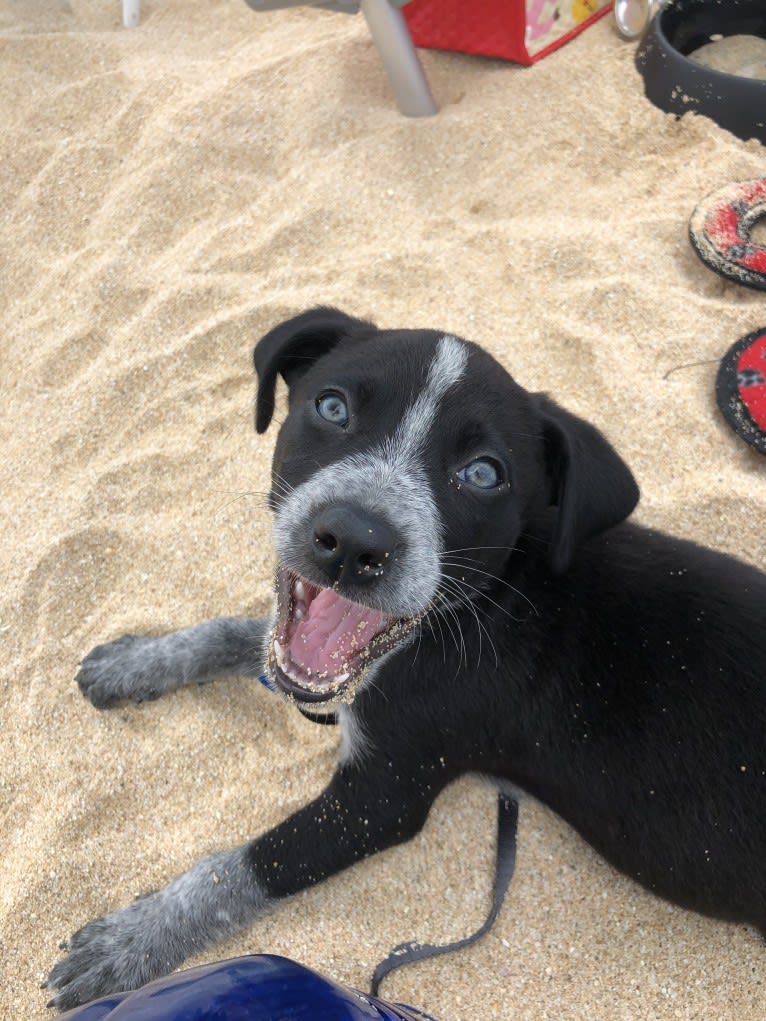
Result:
[{"x": 323, "y": 644}]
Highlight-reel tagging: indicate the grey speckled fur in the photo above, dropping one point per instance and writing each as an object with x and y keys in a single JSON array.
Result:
[
  {"x": 127, "y": 948},
  {"x": 141, "y": 669}
]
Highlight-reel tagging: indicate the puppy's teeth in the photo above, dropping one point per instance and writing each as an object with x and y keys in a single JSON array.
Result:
[
  {"x": 300, "y": 590},
  {"x": 341, "y": 678},
  {"x": 298, "y": 613}
]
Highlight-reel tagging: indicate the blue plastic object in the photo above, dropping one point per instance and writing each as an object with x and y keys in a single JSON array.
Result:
[{"x": 260, "y": 987}]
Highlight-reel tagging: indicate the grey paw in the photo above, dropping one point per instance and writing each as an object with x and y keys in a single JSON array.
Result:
[
  {"x": 127, "y": 668},
  {"x": 112, "y": 954},
  {"x": 157, "y": 932}
]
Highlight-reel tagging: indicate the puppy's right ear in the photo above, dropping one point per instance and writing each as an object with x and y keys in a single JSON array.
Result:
[{"x": 291, "y": 348}]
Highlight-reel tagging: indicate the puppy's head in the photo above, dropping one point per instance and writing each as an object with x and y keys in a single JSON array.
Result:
[{"x": 407, "y": 467}]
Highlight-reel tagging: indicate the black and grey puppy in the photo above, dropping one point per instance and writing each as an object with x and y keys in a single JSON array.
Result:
[{"x": 457, "y": 581}]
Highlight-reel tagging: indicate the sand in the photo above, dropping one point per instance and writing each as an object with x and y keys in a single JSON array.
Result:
[
  {"x": 170, "y": 193},
  {"x": 743, "y": 55}
]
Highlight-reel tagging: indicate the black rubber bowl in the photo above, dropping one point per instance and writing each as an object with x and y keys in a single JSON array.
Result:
[{"x": 677, "y": 84}]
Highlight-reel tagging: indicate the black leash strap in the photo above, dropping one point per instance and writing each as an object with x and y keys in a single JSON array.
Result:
[{"x": 505, "y": 862}]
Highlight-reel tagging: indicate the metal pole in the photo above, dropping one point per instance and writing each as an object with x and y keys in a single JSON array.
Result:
[{"x": 394, "y": 44}]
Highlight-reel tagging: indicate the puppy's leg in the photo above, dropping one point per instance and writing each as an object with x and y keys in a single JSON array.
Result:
[
  {"x": 227, "y": 891},
  {"x": 138, "y": 668},
  {"x": 154, "y": 934}
]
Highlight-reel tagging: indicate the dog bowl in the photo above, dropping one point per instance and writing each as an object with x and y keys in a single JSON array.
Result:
[{"x": 678, "y": 84}]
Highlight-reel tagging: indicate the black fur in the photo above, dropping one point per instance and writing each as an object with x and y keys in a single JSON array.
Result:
[{"x": 613, "y": 672}]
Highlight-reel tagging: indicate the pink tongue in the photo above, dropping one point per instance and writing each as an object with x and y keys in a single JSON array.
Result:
[{"x": 331, "y": 632}]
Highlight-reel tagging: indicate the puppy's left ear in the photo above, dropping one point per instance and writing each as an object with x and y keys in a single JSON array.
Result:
[
  {"x": 291, "y": 348},
  {"x": 591, "y": 485}
]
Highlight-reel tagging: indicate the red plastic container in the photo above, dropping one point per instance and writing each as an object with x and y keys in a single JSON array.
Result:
[{"x": 523, "y": 31}]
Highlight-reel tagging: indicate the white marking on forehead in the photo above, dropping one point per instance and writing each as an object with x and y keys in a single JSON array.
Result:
[
  {"x": 389, "y": 479},
  {"x": 447, "y": 365},
  {"x": 446, "y": 368}
]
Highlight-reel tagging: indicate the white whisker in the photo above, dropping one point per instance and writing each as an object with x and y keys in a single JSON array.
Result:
[
  {"x": 438, "y": 608},
  {"x": 493, "y": 577},
  {"x": 468, "y": 603},
  {"x": 465, "y": 601}
]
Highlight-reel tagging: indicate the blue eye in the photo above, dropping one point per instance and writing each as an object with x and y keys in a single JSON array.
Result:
[
  {"x": 332, "y": 408},
  {"x": 482, "y": 473}
]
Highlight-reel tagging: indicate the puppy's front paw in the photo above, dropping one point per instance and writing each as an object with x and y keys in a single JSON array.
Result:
[
  {"x": 121, "y": 951},
  {"x": 156, "y": 933},
  {"x": 127, "y": 668}
]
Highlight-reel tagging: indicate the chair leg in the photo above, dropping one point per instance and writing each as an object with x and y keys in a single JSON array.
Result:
[
  {"x": 131, "y": 13},
  {"x": 392, "y": 38}
]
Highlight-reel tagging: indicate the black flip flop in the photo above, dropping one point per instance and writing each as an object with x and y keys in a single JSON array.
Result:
[{"x": 741, "y": 388}]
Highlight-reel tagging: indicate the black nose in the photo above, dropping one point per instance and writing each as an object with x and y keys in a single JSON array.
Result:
[{"x": 352, "y": 545}]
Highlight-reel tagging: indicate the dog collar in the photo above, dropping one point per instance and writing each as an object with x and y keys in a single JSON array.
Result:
[{"x": 326, "y": 719}]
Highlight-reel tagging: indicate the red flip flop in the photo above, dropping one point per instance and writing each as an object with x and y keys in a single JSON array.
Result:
[{"x": 720, "y": 232}]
